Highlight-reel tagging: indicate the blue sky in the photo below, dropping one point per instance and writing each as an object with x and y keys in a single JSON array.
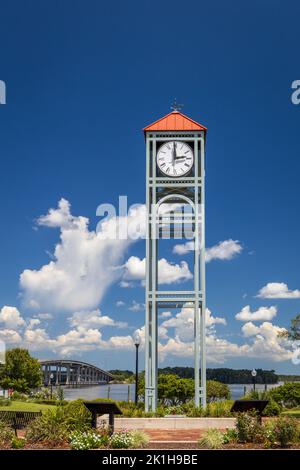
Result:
[{"x": 82, "y": 79}]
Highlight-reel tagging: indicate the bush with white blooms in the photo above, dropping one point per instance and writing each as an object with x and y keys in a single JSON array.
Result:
[
  {"x": 121, "y": 440},
  {"x": 86, "y": 440}
]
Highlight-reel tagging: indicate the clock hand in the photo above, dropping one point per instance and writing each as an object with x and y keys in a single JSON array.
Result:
[{"x": 173, "y": 154}]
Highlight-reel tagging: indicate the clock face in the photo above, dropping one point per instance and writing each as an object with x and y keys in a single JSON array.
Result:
[{"x": 175, "y": 158}]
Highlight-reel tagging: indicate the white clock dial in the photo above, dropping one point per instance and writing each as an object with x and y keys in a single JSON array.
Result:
[{"x": 175, "y": 158}]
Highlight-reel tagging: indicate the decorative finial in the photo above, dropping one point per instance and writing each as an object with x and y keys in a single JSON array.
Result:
[{"x": 176, "y": 106}]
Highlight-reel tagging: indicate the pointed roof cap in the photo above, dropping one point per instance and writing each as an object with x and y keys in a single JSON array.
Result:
[{"x": 174, "y": 121}]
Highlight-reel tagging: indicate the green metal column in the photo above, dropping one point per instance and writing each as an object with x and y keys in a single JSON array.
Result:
[
  {"x": 203, "y": 278},
  {"x": 196, "y": 281}
]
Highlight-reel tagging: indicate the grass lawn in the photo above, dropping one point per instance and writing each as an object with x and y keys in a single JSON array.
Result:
[
  {"x": 25, "y": 406},
  {"x": 294, "y": 412}
]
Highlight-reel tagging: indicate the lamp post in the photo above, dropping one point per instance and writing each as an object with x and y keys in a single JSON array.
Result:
[
  {"x": 51, "y": 385},
  {"x": 254, "y": 374},
  {"x": 137, "y": 342}
]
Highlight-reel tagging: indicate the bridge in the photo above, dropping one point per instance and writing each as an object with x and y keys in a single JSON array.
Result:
[{"x": 72, "y": 373}]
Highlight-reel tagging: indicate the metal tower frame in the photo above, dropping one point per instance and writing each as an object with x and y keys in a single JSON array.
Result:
[{"x": 159, "y": 190}]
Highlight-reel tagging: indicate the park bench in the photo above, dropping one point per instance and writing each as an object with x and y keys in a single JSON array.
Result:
[
  {"x": 18, "y": 419},
  {"x": 103, "y": 408}
]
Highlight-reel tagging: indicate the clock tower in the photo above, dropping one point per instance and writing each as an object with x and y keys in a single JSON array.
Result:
[{"x": 175, "y": 199}]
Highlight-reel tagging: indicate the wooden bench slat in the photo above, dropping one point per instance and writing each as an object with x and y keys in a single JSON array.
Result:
[{"x": 18, "y": 419}]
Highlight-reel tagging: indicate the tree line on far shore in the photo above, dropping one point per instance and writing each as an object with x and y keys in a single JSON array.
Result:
[{"x": 224, "y": 375}]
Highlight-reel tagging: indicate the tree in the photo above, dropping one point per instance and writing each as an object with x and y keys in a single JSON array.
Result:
[
  {"x": 225, "y": 375},
  {"x": 122, "y": 376},
  {"x": 21, "y": 371},
  {"x": 294, "y": 332},
  {"x": 287, "y": 395},
  {"x": 172, "y": 390},
  {"x": 217, "y": 391}
]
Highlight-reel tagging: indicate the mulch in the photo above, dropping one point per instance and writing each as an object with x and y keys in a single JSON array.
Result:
[{"x": 163, "y": 439}]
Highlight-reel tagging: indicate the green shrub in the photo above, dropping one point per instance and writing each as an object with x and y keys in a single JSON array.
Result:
[
  {"x": 285, "y": 431},
  {"x": 43, "y": 393},
  {"x": 87, "y": 440},
  {"x": 6, "y": 433},
  {"x": 249, "y": 428},
  {"x": 48, "y": 397},
  {"x": 173, "y": 410},
  {"x": 287, "y": 395},
  {"x": 55, "y": 424},
  {"x": 130, "y": 410},
  {"x": 193, "y": 411},
  {"x": 76, "y": 416},
  {"x": 19, "y": 396},
  {"x": 213, "y": 409},
  {"x": 160, "y": 412},
  {"x": 270, "y": 437},
  {"x": 257, "y": 395},
  {"x": 60, "y": 394},
  {"x": 50, "y": 426},
  {"x": 140, "y": 439},
  {"x": 272, "y": 409},
  {"x": 217, "y": 391},
  {"x": 230, "y": 435},
  {"x": 212, "y": 439},
  {"x": 44, "y": 401},
  {"x": 5, "y": 401},
  {"x": 218, "y": 409},
  {"x": 18, "y": 442},
  {"x": 121, "y": 440}
]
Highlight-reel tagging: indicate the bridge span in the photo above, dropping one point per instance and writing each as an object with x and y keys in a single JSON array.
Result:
[{"x": 72, "y": 373}]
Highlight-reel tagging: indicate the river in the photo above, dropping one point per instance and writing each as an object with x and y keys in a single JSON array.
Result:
[{"x": 123, "y": 392}]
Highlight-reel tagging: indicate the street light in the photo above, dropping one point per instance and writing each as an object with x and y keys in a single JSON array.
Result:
[
  {"x": 137, "y": 342},
  {"x": 254, "y": 374},
  {"x": 51, "y": 384}
]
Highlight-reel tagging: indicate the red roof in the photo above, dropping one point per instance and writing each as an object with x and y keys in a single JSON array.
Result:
[{"x": 175, "y": 121}]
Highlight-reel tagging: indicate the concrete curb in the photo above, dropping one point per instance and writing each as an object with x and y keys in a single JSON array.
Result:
[{"x": 174, "y": 423}]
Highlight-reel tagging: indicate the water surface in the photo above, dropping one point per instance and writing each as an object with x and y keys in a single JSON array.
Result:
[{"x": 123, "y": 392}]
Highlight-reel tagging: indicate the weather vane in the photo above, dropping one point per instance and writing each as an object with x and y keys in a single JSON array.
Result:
[{"x": 176, "y": 106}]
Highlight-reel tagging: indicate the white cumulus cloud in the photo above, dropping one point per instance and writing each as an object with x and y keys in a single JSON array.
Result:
[
  {"x": 183, "y": 323},
  {"x": 168, "y": 273},
  {"x": 86, "y": 263},
  {"x": 225, "y": 250},
  {"x": 261, "y": 314},
  {"x": 11, "y": 317},
  {"x": 93, "y": 318},
  {"x": 278, "y": 290},
  {"x": 136, "y": 306}
]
